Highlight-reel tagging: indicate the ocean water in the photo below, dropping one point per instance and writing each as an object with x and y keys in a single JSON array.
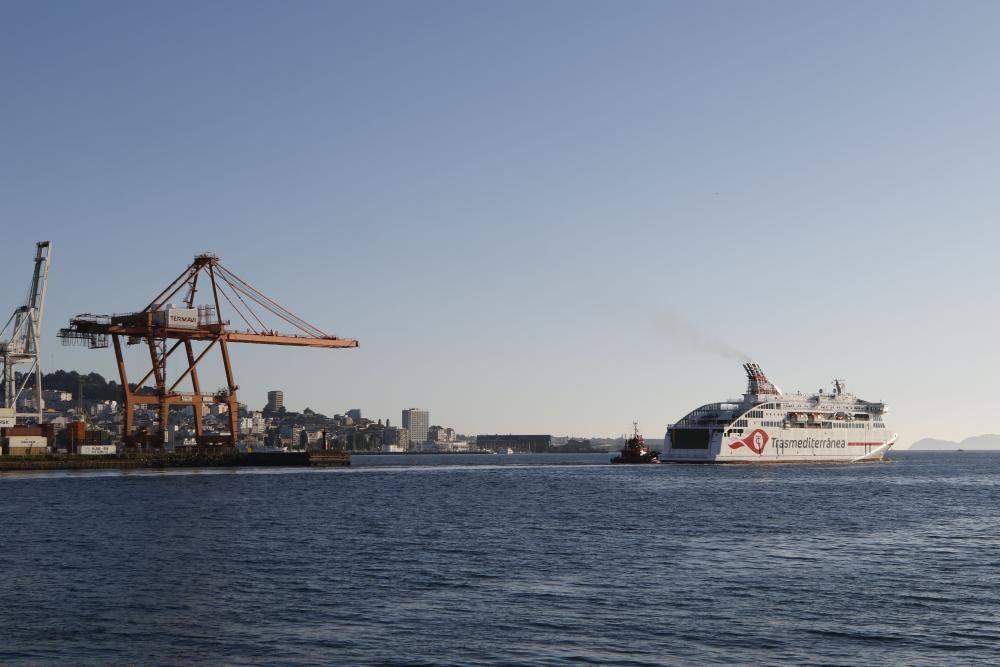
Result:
[{"x": 506, "y": 560}]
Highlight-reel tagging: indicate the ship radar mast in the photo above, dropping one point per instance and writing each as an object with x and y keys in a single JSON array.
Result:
[{"x": 838, "y": 387}]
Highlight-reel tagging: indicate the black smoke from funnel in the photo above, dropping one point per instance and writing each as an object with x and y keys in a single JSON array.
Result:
[{"x": 678, "y": 329}]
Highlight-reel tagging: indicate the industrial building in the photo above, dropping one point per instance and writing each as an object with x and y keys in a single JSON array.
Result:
[{"x": 519, "y": 444}]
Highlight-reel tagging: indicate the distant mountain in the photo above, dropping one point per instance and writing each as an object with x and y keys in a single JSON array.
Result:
[
  {"x": 988, "y": 441},
  {"x": 934, "y": 443},
  {"x": 977, "y": 442}
]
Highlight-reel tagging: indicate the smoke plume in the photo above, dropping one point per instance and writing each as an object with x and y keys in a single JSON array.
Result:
[{"x": 678, "y": 329}]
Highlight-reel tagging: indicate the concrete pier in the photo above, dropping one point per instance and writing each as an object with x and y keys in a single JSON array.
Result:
[{"x": 187, "y": 459}]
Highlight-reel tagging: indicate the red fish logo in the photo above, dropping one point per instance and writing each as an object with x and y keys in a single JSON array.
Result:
[{"x": 755, "y": 442}]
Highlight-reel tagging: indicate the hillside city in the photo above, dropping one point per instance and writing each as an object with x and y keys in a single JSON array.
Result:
[{"x": 70, "y": 397}]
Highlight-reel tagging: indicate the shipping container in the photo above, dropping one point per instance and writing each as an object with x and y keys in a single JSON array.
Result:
[
  {"x": 182, "y": 318},
  {"x": 76, "y": 431},
  {"x": 176, "y": 318},
  {"x": 27, "y": 451},
  {"x": 26, "y": 429},
  {"x": 27, "y": 441},
  {"x": 98, "y": 450}
]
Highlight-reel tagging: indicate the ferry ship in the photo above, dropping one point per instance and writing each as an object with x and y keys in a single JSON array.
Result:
[{"x": 767, "y": 426}]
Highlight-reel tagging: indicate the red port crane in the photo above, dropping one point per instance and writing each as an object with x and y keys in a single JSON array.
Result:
[{"x": 165, "y": 328}]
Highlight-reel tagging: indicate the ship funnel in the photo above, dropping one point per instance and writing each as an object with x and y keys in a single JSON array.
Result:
[{"x": 757, "y": 382}]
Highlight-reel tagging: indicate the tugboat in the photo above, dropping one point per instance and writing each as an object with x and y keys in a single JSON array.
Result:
[{"x": 636, "y": 450}]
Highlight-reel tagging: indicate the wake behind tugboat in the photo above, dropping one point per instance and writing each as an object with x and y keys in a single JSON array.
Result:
[{"x": 636, "y": 450}]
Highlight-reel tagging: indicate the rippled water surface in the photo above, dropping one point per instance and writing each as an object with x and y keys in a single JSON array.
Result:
[{"x": 527, "y": 560}]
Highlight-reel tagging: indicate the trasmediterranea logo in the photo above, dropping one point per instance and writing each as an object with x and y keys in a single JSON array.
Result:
[{"x": 755, "y": 442}]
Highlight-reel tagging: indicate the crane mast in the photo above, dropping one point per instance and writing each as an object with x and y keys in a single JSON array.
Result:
[{"x": 24, "y": 344}]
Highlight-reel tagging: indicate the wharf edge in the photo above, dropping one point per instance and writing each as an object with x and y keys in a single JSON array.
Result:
[{"x": 162, "y": 460}]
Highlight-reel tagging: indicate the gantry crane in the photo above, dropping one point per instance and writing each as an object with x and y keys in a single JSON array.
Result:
[
  {"x": 165, "y": 328},
  {"x": 24, "y": 344}
]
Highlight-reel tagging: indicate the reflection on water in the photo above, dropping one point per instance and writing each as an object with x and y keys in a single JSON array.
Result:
[{"x": 547, "y": 560}]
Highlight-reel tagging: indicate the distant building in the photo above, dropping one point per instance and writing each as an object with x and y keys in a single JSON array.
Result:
[
  {"x": 258, "y": 423},
  {"x": 354, "y": 414},
  {"x": 395, "y": 439},
  {"x": 520, "y": 444},
  {"x": 440, "y": 434},
  {"x": 416, "y": 422},
  {"x": 314, "y": 438},
  {"x": 275, "y": 400},
  {"x": 456, "y": 446},
  {"x": 104, "y": 408},
  {"x": 56, "y": 396},
  {"x": 27, "y": 403}
]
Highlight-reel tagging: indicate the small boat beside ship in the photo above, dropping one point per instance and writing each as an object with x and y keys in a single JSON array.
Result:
[{"x": 636, "y": 450}]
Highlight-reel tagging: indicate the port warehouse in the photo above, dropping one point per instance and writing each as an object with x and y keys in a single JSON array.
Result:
[{"x": 521, "y": 444}]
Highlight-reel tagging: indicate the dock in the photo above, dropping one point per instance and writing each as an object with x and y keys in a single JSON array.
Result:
[{"x": 216, "y": 458}]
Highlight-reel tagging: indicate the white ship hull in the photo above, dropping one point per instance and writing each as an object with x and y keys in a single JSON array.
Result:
[
  {"x": 820, "y": 446},
  {"x": 766, "y": 426}
]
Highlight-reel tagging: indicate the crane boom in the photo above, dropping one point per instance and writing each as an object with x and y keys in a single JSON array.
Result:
[{"x": 161, "y": 321}]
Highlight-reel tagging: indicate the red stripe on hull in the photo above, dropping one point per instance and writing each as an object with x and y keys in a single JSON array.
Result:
[{"x": 751, "y": 462}]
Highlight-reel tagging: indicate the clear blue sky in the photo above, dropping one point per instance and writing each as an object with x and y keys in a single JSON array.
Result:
[{"x": 506, "y": 201}]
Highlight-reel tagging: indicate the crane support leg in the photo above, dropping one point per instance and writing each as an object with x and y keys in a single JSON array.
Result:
[
  {"x": 127, "y": 395},
  {"x": 234, "y": 418},
  {"x": 196, "y": 386}
]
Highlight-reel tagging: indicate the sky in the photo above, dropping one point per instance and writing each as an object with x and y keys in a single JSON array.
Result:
[{"x": 536, "y": 217}]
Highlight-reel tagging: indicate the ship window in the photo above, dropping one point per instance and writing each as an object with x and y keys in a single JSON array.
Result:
[{"x": 689, "y": 438}]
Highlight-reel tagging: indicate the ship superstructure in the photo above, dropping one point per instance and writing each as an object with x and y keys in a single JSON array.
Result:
[{"x": 768, "y": 426}]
